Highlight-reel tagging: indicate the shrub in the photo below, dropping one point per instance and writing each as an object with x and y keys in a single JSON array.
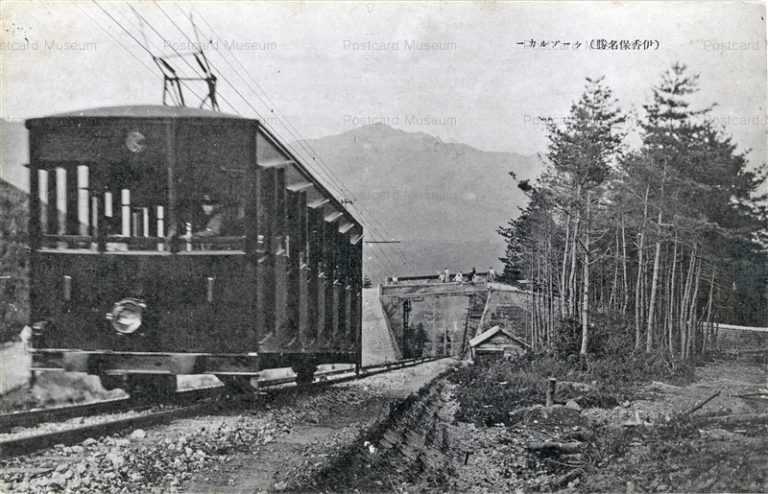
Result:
[
  {"x": 621, "y": 370},
  {"x": 487, "y": 392},
  {"x": 567, "y": 340}
]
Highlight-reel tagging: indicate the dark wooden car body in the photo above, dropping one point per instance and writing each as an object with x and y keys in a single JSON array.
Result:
[{"x": 286, "y": 291}]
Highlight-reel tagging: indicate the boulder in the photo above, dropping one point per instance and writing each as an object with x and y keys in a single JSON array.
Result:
[
  {"x": 573, "y": 405},
  {"x": 138, "y": 434}
]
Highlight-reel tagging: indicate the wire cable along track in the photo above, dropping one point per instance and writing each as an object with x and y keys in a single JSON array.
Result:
[{"x": 203, "y": 402}]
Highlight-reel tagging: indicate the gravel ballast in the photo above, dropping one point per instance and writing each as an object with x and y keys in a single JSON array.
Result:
[{"x": 216, "y": 453}]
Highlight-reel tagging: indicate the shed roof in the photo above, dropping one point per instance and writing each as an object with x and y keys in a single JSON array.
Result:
[{"x": 490, "y": 333}]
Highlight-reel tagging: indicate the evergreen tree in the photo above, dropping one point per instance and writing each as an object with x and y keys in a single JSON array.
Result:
[
  {"x": 582, "y": 152},
  {"x": 672, "y": 231}
]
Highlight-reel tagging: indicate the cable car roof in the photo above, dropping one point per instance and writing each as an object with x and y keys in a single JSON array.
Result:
[
  {"x": 143, "y": 111},
  {"x": 89, "y": 145}
]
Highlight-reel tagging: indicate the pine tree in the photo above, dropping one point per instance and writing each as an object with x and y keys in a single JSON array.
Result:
[
  {"x": 582, "y": 152},
  {"x": 686, "y": 194}
]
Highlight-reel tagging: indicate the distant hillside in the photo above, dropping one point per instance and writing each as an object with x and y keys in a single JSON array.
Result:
[{"x": 443, "y": 200}]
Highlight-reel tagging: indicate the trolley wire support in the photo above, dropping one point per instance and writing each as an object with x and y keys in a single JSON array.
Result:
[
  {"x": 173, "y": 84},
  {"x": 171, "y": 78}
]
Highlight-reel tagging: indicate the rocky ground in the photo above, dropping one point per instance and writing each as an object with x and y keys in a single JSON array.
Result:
[
  {"x": 264, "y": 446},
  {"x": 422, "y": 447},
  {"x": 395, "y": 433},
  {"x": 715, "y": 449},
  {"x": 645, "y": 444}
]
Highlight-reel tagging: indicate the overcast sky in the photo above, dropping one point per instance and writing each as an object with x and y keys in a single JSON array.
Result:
[{"x": 453, "y": 70}]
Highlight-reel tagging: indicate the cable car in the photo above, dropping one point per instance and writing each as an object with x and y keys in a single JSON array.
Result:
[{"x": 172, "y": 240}]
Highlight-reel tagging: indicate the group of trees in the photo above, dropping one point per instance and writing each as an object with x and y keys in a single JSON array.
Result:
[{"x": 665, "y": 235}]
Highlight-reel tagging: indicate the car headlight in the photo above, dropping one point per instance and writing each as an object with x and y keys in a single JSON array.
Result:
[{"x": 126, "y": 315}]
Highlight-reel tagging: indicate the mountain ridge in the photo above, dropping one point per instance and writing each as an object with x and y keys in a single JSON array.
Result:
[{"x": 442, "y": 200}]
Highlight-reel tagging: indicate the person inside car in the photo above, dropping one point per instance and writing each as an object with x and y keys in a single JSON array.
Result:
[{"x": 214, "y": 217}]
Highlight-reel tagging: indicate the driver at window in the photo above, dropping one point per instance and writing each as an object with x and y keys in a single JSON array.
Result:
[{"x": 214, "y": 217}]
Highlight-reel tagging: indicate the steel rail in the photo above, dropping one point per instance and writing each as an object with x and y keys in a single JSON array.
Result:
[
  {"x": 31, "y": 418},
  {"x": 28, "y": 444}
]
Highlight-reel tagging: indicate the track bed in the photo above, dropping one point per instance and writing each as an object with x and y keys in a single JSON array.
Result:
[{"x": 208, "y": 453}]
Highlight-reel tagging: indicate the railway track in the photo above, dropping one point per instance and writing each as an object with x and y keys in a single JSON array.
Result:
[
  {"x": 200, "y": 401},
  {"x": 31, "y": 418}
]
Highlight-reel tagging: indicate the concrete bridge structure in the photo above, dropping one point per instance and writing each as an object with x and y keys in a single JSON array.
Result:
[{"x": 427, "y": 317}]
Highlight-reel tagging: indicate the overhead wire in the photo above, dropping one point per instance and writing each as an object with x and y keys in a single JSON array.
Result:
[
  {"x": 137, "y": 41},
  {"x": 114, "y": 38},
  {"x": 146, "y": 47},
  {"x": 340, "y": 188},
  {"x": 237, "y": 91},
  {"x": 373, "y": 224},
  {"x": 196, "y": 72},
  {"x": 345, "y": 191}
]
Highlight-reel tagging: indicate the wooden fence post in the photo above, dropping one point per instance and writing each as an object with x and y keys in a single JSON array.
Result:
[{"x": 551, "y": 385}]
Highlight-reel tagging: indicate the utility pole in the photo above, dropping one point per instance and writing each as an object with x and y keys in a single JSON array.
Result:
[
  {"x": 406, "y": 322},
  {"x": 434, "y": 324},
  {"x": 445, "y": 341}
]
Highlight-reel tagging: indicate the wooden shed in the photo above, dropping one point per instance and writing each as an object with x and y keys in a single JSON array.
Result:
[{"x": 497, "y": 342}]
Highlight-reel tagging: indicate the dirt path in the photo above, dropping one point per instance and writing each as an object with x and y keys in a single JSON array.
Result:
[
  {"x": 658, "y": 401},
  {"x": 378, "y": 340},
  {"x": 320, "y": 428}
]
